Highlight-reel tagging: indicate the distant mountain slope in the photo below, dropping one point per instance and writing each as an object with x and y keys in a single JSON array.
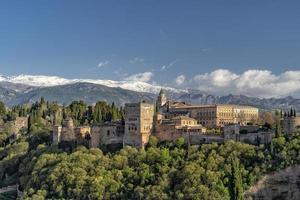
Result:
[
  {"x": 87, "y": 92},
  {"x": 197, "y": 97},
  {"x": 17, "y": 93},
  {"x": 48, "y": 81},
  {"x": 7, "y": 94}
]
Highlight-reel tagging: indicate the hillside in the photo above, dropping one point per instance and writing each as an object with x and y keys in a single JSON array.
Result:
[{"x": 7, "y": 94}]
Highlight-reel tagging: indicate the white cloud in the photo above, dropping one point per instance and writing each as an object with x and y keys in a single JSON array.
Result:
[
  {"x": 102, "y": 64},
  {"x": 217, "y": 78},
  {"x": 143, "y": 77},
  {"x": 180, "y": 79},
  {"x": 260, "y": 83},
  {"x": 168, "y": 66},
  {"x": 136, "y": 60}
]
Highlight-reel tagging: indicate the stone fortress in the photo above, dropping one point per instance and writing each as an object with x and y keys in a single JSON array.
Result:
[
  {"x": 290, "y": 122},
  {"x": 168, "y": 120}
]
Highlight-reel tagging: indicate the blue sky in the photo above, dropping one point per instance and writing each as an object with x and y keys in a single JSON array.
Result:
[{"x": 119, "y": 38}]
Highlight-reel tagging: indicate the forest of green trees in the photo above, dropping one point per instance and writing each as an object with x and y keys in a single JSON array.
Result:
[{"x": 161, "y": 171}]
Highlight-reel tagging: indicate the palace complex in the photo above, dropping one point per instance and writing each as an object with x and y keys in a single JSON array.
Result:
[{"x": 168, "y": 120}]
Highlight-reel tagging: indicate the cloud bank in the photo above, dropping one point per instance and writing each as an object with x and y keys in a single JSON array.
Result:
[
  {"x": 180, "y": 79},
  {"x": 136, "y": 60},
  {"x": 102, "y": 64},
  {"x": 142, "y": 77},
  {"x": 258, "y": 83}
]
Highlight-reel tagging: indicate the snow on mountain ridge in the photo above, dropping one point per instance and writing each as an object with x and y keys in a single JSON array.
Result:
[{"x": 48, "y": 81}]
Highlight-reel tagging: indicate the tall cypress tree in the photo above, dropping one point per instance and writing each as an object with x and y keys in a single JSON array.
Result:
[
  {"x": 236, "y": 179},
  {"x": 278, "y": 130}
]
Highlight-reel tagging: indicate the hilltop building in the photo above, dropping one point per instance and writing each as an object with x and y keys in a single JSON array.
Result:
[
  {"x": 138, "y": 123},
  {"x": 218, "y": 115},
  {"x": 64, "y": 133},
  {"x": 250, "y": 134},
  {"x": 211, "y": 116},
  {"x": 290, "y": 123},
  {"x": 196, "y": 123},
  {"x": 108, "y": 135},
  {"x": 20, "y": 123},
  {"x": 172, "y": 129},
  {"x": 161, "y": 100}
]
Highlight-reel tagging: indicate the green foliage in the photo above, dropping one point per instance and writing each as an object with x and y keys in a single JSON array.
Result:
[
  {"x": 180, "y": 142},
  {"x": 154, "y": 173},
  {"x": 77, "y": 111},
  {"x": 2, "y": 109},
  {"x": 153, "y": 141},
  {"x": 210, "y": 171},
  {"x": 236, "y": 179},
  {"x": 161, "y": 171},
  {"x": 104, "y": 112}
]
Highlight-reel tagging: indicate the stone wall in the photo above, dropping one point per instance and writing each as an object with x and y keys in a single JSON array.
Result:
[
  {"x": 107, "y": 134},
  {"x": 290, "y": 124},
  {"x": 167, "y": 133}
]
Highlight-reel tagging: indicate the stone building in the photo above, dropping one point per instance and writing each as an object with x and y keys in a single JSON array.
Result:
[
  {"x": 172, "y": 129},
  {"x": 83, "y": 135},
  {"x": 65, "y": 133},
  {"x": 248, "y": 134},
  {"x": 138, "y": 124},
  {"x": 220, "y": 114},
  {"x": 82, "y": 131},
  {"x": 207, "y": 115},
  {"x": 161, "y": 100},
  {"x": 20, "y": 123},
  {"x": 109, "y": 134},
  {"x": 290, "y": 124}
]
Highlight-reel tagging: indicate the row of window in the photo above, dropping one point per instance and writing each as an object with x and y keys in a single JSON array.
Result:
[
  {"x": 222, "y": 114},
  {"x": 205, "y": 113},
  {"x": 184, "y": 122},
  {"x": 147, "y": 128},
  {"x": 132, "y": 128}
]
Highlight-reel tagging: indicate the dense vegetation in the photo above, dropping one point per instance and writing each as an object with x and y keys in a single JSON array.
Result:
[{"x": 161, "y": 171}]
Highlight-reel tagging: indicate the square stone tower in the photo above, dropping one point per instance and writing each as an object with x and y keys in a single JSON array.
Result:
[{"x": 138, "y": 124}]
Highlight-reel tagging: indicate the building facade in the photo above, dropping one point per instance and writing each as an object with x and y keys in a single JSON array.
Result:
[
  {"x": 138, "y": 124},
  {"x": 248, "y": 134},
  {"x": 180, "y": 126},
  {"x": 107, "y": 134},
  {"x": 220, "y": 114},
  {"x": 161, "y": 100},
  {"x": 290, "y": 124},
  {"x": 64, "y": 133}
]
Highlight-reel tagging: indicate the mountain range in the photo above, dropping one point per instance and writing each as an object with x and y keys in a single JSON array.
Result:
[{"x": 28, "y": 89}]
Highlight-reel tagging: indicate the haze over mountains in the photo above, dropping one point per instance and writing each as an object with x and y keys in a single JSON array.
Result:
[{"x": 28, "y": 89}]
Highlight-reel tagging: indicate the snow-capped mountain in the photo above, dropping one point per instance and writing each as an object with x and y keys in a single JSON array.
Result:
[
  {"x": 48, "y": 81},
  {"x": 22, "y": 89}
]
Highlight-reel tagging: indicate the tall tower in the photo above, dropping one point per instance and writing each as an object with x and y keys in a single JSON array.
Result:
[
  {"x": 68, "y": 130},
  {"x": 161, "y": 100},
  {"x": 138, "y": 124}
]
